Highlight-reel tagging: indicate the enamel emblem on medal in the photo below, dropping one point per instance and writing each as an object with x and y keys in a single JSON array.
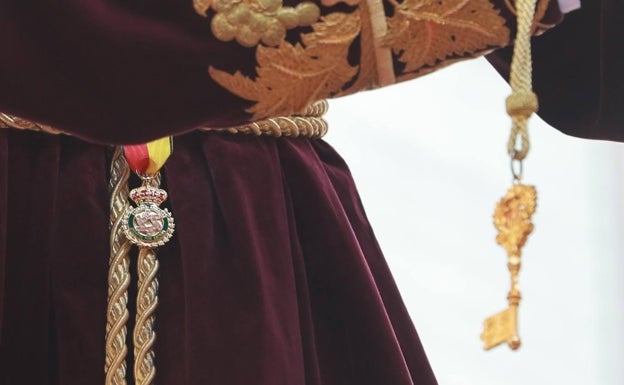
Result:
[{"x": 147, "y": 224}]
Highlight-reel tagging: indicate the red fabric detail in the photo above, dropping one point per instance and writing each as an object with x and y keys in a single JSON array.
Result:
[{"x": 138, "y": 157}]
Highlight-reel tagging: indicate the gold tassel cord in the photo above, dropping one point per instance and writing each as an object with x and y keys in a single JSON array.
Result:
[
  {"x": 117, "y": 314},
  {"x": 522, "y": 102},
  {"x": 512, "y": 216},
  {"x": 147, "y": 302}
]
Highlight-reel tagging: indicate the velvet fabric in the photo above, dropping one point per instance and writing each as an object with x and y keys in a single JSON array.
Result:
[{"x": 273, "y": 277}]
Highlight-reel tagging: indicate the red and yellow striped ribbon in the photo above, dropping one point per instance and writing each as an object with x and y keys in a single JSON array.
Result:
[{"x": 148, "y": 158}]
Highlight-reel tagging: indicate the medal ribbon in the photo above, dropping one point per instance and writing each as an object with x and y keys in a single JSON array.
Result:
[{"x": 148, "y": 158}]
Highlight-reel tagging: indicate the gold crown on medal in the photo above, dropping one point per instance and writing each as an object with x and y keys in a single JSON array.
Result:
[{"x": 147, "y": 194}]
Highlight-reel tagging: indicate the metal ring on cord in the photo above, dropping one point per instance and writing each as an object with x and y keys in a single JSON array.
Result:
[{"x": 516, "y": 169}]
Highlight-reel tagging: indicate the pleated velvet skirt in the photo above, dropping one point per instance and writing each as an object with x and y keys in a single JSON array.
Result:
[{"x": 273, "y": 277}]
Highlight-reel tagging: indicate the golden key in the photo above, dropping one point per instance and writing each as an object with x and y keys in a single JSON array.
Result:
[{"x": 512, "y": 219}]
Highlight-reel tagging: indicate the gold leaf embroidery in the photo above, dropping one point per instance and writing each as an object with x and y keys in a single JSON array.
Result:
[
  {"x": 201, "y": 6},
  {"x": 331, "y": 3},
  {"x": 368, "y": 61},
  {"x": 290, "y": 77},
  {"x": 250, "y": 22},
  {"x": 426, "y": 32}
]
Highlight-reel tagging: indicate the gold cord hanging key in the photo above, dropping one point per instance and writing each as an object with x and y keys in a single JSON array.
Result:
[{"x": 512, "y": 217}]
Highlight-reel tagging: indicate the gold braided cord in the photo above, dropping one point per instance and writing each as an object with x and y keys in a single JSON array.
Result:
[
  {"x": 309, "y": 124},
  {"x": 318, "y": 109},
  {"x": 522, "y": 102},
  {"x": 540, "y": 11},
  {"x": 147, "y": 302},
  {"x": 8, "y": 121},
  {"x": 117, "y": 314},
  {"x": 296, "y": 126}
]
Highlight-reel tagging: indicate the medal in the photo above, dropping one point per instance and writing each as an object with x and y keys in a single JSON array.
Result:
[{"x": 148, "y": 225}]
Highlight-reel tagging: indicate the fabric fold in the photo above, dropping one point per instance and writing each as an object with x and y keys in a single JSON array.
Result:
[
  {"x": 26, "y": 344},
  {"x": 273, "y": 275},
  {"x": 4, "y": 185}
]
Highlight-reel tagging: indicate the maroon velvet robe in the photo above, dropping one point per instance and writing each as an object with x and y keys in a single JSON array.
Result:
[{"x": 274, "y": 275}]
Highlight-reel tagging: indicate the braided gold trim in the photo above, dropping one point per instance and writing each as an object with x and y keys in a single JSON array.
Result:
[
  {"x": 298, "y": 126},
  {"x": 540, "y": 12},
  {"x": 308, "y": 124},
  {"x": 316, "y": 109},
  {"x": 522, "y": 102},
  {"x": 117, "y": 314},
  {"x": 147, "y": 302},
  {"x": 8, "y": 121},
  {"x": 144, "y": 336}
]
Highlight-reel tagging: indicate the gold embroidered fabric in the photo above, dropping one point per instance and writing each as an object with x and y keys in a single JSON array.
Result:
[
  {"x": 250, "y": 22},
  {"x": 419, "y": 37},
  {"x": 291, "y": 77},
  {"x": 425, "y": 33}
]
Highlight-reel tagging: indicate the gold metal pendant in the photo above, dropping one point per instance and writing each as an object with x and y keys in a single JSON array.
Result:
[{"x": 512, "y": 219}]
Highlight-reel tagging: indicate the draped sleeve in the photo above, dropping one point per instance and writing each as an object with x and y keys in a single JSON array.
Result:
[
  {"x": 122, "y": 71},
  {"x": 578, "y": 71}
]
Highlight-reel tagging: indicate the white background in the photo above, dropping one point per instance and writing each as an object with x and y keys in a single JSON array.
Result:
[{"x": 429, "y": 157}]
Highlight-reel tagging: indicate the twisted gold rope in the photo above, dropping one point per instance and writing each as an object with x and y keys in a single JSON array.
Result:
[
  {"x": 522, "y": 102},
  {"x": 309, "y": 124},
  {"x": 9, "y": 121},
  {"x": 117, "y": 314},
  {"x": 294, "y": 126},
  {"x": 144, "y": 336},
  {"x": 318, "y": 108},
  {"x": 147, "y": 301},
  {"x": 540, "y": 11}
]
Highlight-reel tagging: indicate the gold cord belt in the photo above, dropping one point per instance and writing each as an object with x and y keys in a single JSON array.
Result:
[
  {"x": 8, "y": 121},
  {"x": 308, "y": 124}
]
